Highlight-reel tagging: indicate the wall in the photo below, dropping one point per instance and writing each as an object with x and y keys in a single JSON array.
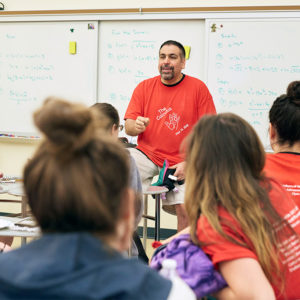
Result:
[{"x": 12, "y": 155}]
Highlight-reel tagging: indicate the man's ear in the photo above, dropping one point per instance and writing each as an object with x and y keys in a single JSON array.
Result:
[{"x": 183, "y": 63}]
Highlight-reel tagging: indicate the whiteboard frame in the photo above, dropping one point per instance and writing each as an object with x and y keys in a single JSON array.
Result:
[{"x": 149, "y": 16}]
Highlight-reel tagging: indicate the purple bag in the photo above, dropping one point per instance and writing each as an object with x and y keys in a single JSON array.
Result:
[{"x": 193, "y": 265}]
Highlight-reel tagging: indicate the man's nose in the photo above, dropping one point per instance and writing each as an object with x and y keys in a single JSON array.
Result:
[{"x": 166, "y": 60}]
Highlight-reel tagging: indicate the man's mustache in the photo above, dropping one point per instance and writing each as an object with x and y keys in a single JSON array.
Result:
[{"x": 167, "y": 68}]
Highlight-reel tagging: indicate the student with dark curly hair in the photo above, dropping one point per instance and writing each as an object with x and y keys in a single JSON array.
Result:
[{"x": 284, "y": 130}]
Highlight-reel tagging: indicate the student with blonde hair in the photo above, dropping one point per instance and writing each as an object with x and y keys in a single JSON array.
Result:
[
  {"x": 247, "y": 223},
  {"x": 77, "y": 185}
]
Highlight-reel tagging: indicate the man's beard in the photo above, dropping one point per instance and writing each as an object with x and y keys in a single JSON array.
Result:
[{"x": 167, "y": 76}]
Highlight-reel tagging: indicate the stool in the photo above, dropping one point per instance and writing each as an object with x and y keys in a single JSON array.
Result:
[{"x": 157, "y": 191}]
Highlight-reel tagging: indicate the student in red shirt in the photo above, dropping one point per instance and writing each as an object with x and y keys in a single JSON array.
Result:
[
  {"x": 284, "y": 164},
  {"x": 247, "y": 223}
]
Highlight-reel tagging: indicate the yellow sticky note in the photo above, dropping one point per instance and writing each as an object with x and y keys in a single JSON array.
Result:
[
  {"x": 187, "y": 51},
  {"x": 72, "y": 47}
]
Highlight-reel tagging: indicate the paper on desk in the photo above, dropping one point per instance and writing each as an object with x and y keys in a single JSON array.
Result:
[
  {"x": 23, "y": 228},
  {"x": 16, "y": 189},
  {"x": 3, "y": 189},
  {"x": 5, "y": 223}
]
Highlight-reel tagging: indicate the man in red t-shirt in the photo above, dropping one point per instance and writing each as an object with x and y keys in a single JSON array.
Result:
[{"x": 161, "y": 112}]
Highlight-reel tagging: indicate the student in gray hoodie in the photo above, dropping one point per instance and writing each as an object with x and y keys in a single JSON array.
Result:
[{"x": 77, "y": 184}]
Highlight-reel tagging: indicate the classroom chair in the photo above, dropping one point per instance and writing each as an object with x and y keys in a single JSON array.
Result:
[{"x": 155, "y": 191}]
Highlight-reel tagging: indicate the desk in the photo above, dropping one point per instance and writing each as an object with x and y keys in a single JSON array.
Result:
[
  {"x": 18, "y": 233},
  {"x": 3, "y": 189},
  {"x": 15, "y": 189}
]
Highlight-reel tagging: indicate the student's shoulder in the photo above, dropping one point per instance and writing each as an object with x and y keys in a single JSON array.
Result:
[
  {"x": 281, "y": 161},
  {"x": 270, "y": 159}
]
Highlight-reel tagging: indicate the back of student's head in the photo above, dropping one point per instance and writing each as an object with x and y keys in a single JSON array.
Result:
[
  {"x": 284, "y": 115},
  {"x": 108, "y": 116},
  {"x": 225, "y": 147},
  {"x": 77, "y": 177},
  {"x": 225, "y": 159}
]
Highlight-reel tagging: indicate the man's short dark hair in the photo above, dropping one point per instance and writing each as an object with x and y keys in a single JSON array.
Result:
[{"x": 177, "y": 44}]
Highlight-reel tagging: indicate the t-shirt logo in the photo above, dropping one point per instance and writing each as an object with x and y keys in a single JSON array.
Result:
[
  {"x": 173, "y": 121},
  {"x": 162, "y": 112}
]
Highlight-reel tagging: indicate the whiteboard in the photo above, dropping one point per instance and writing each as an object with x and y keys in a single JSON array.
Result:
[
  {"x": 249, "y": 64},
  {"x": 128, "y": 54},
  {"x": 35, "y": 63}
]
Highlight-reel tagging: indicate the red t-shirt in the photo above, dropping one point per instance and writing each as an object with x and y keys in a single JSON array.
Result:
[
  {"x": 285, "y": 167},
  {"x": 172, "y": 110},
  {"x": 222, "y": 250}
]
